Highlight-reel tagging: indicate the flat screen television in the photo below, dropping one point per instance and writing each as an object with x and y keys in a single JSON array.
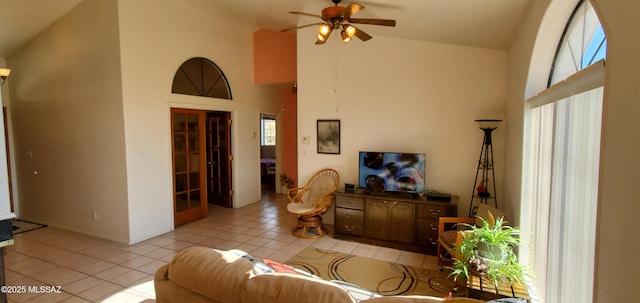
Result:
[{"x": 392, "y": 171}]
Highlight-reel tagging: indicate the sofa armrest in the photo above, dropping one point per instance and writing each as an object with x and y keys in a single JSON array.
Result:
[
  {"x": 169, "y": 292},
  {"x": 214, "y": 274},
  {"x": 161, "y": 273}
]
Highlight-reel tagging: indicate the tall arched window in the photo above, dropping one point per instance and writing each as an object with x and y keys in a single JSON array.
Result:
[
  {"x": 201, "y": 77},
  {"x": 561, "y": 163}
]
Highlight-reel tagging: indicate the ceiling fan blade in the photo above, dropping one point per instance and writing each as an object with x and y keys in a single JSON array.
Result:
[
  {"x": 299, "y": 27},
  {"x": 385, "y": 22},
  {"x": 306, "y": 14},
  {"x": 351, "y": 9},
  {"x": 362, "y": 35}
]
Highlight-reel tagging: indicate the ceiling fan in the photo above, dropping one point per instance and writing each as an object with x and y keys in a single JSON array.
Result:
[{"x": 339, "y": 18}]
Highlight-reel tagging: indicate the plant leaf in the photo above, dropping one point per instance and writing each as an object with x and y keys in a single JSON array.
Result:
[{"x": 492, "y": 220}]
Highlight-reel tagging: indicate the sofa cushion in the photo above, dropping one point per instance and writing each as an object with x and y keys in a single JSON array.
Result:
[
  {"x": 405, "y": 299},
  {"x": 421, "y": 299},
  {"x": 215, "y": 274},
  {"x": 286, "y": 287}
]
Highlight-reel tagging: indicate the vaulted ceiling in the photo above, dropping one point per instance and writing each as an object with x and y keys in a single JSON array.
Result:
[{"x": 478, "y": 23}]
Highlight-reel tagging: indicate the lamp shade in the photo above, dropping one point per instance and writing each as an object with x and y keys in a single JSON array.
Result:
[
  {"x": 488, "y": 123},
  {"x": 324, "y": 31},
  {"x": 5, "y": 72},
  {"x": 349, "y": 30},
  {"x": 345, "y": 37}
]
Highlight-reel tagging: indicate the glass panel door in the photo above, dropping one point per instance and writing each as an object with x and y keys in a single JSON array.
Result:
[{"x": 190, "y": 200}]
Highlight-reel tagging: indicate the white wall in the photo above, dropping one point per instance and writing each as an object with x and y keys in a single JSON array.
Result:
[
  {"x": 67, "y": 124},
  {"x": 402, "y": 95},
  {"x": 157, "y": 36},
  {"x": 619, "y": 191},
  {"x": 91, "y": 98},
  {"x": 5, "y": 203}
]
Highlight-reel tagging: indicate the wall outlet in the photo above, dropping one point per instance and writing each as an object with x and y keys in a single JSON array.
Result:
[{"x": 95, "y": 216}]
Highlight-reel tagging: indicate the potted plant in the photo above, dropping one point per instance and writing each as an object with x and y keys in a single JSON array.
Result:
[
  {"x": 488, "y": 251},
  {"x": 286, "y": 183},
  {"x": 482, "y": 189}
]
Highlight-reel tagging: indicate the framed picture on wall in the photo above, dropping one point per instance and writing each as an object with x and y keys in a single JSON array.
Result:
[{"x": 329, "y": 137}]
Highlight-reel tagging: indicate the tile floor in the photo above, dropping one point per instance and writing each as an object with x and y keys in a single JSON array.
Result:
[{"x": 88, "y": 269}]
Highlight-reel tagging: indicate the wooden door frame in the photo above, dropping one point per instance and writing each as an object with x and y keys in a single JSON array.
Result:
[{"x": 5, "y": 117}]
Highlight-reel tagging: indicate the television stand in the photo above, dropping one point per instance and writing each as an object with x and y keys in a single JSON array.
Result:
[
  {"x": 393, "y": 219},
  {"x": 396, "y": 194}
]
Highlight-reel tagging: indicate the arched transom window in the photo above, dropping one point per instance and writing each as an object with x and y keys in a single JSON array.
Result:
[
  {"x": 583, "y": 43},
  {"x": 201, "y": 77}
]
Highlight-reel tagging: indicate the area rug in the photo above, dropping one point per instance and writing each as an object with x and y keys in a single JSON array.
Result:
[
  {"x": 382, "y": 277},
  {"x": 22, "y": 226}
]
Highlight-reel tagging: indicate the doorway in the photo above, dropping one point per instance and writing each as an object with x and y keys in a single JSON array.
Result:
[
  {"x": 201, "y": 162},
  {"x": 268, "y": 151},
  {"x": 219, "y": 190}
]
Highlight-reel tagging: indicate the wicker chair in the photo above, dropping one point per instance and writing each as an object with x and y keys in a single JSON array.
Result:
[{"x": 311, "y": 201}]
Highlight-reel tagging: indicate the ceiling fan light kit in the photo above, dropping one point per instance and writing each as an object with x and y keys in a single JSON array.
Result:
[{"x": 336, "y": 17}]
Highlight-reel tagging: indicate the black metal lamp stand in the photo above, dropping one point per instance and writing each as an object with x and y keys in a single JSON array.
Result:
[{"x": 485, "y": 175}]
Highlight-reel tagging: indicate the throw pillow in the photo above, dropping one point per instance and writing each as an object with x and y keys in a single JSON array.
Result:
[{"x": 280, "y": 267}]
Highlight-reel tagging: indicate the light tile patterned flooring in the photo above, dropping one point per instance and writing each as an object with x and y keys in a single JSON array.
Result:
[{"x": 89, "y": 269}]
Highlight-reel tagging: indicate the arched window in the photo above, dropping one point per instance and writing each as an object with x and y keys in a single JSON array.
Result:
[
  {"x": 561, "y": 163},
  {"x": 201, "y": 77},
  {"x": 583, "y": 43}
]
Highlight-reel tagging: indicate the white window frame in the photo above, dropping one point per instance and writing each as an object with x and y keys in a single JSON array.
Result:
[
  {"x": 268, "y": 131},
  {"x": 561, "y": 175}
]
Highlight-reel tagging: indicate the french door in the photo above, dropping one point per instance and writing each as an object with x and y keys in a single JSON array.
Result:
[
  {"x": 219, "y": 158},
  {"x": 189, "y": 165}
]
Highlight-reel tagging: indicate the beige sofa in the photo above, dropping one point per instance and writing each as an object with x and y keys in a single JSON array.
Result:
[{"x": 200, "y": 274}]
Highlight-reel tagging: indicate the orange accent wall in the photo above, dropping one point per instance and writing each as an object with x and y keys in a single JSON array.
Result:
[
  {"x": 274, "y": 57},
  {"x": 290, "y": 128}
]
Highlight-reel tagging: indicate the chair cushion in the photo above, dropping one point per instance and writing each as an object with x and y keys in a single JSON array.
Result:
[
  {"x": 448, "y": 238},
  {"x": 483, "y": 212},
  {"x": 299, "y": 208}
]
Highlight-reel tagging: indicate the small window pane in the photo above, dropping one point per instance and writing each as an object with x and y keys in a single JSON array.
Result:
[{"x": 268, "y": 132}]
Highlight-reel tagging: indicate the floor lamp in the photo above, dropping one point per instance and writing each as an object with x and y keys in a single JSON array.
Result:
[{"x": 485, "y": 174}]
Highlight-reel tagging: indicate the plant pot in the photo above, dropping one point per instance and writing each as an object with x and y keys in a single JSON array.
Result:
[
  {"x": 284, "y": 189},
  {"x": 490, "y": 252},
  {"x": 484, "y": 194}
]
